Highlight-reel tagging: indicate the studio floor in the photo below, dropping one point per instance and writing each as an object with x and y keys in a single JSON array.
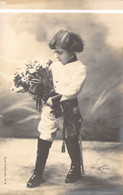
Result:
[{"x": 103, "y": 166}]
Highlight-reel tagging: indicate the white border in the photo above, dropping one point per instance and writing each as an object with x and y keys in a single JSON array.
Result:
[{"x": 58, "y": 11}]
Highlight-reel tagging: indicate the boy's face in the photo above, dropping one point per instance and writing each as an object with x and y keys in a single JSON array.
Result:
[{"x": 62, "y": 55}]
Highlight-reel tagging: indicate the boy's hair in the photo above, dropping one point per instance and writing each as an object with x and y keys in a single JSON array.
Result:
[{"x": 67, "y": 40}]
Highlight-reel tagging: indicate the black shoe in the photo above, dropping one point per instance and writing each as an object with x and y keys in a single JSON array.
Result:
[
  {"x": 73, "y": 175},
  {"x": 34, "y": 181}
]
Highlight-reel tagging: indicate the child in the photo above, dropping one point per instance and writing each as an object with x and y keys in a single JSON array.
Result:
[{"x": 68, "y": 77}]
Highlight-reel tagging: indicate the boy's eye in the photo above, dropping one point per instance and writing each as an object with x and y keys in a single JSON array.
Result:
[{"x": 58, "y": 52}]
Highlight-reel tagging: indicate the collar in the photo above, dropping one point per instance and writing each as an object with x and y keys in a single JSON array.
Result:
[{"x": 72, "y": 59}]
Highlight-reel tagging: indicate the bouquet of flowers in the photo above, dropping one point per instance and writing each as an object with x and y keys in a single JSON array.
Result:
[{"x": 36, "y": 79}]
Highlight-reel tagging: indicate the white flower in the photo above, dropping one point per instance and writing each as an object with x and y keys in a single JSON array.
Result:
[
  {"x": 37, "y": 66},
  {"x": 31, "y": 71},
  {"x": 27, "y": 78},
  {"x": 45, "y": 65},
  {"x": 23, "y": 79}
]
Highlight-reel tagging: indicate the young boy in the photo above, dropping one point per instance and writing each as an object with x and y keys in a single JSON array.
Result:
[{"x": 68, "y": 77}]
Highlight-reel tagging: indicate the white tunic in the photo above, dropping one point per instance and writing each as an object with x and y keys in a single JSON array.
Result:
[{"x": 68, "y": 79}]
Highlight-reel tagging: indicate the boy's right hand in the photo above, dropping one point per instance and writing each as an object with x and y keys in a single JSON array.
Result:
[
  {"x": 56, "y": 107},
  {"x": 49, "y": 102}
]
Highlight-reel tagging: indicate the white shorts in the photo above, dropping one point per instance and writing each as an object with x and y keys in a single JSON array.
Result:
[{"x": 48, "y": 124}]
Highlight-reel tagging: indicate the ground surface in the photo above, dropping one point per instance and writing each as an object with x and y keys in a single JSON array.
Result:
[{"x": 103, "y": 164}]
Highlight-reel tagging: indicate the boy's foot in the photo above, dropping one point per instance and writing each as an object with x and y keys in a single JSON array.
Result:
[
  {"x": 73, "y": 175},
  {"x": 34, "y": 181}
]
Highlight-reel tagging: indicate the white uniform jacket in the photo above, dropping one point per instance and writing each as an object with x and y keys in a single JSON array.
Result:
[{"x": 68, "y": 79}]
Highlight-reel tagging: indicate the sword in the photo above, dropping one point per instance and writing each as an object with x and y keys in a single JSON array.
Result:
[{"x": 81, "y": 152}]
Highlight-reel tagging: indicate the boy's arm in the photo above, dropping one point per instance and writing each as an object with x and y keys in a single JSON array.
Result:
[{"x": 75, "y": 85}]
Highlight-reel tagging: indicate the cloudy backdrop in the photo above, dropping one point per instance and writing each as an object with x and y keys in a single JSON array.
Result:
[{"x": 25, "y": 36}]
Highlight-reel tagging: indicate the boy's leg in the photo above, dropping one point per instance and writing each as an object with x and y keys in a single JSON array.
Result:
[
  {"x": 47, "y": 128},
  {"x": 47, "y": 125},
  {"x": 74, "y": 152},
  {"x": 42, "y": 155}
]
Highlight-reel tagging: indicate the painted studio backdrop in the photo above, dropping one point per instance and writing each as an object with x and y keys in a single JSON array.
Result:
[{"x": 25, "y": 37}]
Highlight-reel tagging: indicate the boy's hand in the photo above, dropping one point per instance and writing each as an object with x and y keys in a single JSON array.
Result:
[{"x": 49, "y": 102}]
